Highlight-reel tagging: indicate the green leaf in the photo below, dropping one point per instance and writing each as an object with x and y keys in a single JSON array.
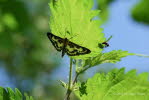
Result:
[
  {"x": 63, "y": 84},
  {"x": 116, "y": 85},
  {"x": 110, "y": 57},
  {"x": 11, "y": 94},
  {"x": 5, "y": 94},
  {"x": 18, "y": 95},
  {"x": 73, "y": 19},
  {"x": 1, "y": 93}
]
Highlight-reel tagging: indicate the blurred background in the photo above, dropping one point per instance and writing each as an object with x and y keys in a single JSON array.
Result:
[{"x": 28, "y": 60}]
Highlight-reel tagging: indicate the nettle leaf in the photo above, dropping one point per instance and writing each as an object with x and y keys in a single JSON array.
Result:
[
  {"x": 116, "y": 85},
  {"x": 9, "y": 94},
  {"x": 110, "y": 57},
  {"x": 73, "y": 19}
]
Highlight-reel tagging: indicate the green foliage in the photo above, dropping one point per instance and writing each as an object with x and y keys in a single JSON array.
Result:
[
  {"x": 21, "y": 40},
  {"x": 73, "y": 19},
  {"x": 65, "y": 17},
  {"x": 109, "y": 57},
  {"x": 116, "y": 85},
  {"x": 25, "y": 52},
  {"x": 140, "y": 12},
  {"x": 9, "y": 94}
]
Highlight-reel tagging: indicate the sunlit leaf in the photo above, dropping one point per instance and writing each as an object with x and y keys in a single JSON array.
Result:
[
  {"x": 116, "y": 85},
  {"x": 73, "y": 19},
  {"x": 110, "y": 57}
]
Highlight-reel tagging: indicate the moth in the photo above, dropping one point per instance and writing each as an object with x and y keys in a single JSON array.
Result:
[
  {"x": 104, "y": 44},
  {"x": 65, "y": 46}
]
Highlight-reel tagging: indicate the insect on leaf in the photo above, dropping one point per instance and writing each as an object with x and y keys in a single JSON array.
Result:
[
  {"x": 75, "y": 18},
  {"x": 64, "y": 45}
]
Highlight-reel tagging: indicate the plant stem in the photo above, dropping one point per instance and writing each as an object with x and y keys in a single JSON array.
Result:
[
  {"x": 67, "y": 97},
  {"x": 75, "y": 79},
  {"x": 70, "y": 74},
  {"x": 70, "y": 84},
  {"x": 77, "y": 74}
]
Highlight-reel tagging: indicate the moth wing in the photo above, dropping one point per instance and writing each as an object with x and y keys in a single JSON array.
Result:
[
  {"x": 73, "y": 49},
  {"x": 56, "y": 41}
]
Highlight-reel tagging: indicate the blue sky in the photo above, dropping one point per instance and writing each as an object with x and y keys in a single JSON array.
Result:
[{"x": 128, "y": 35}]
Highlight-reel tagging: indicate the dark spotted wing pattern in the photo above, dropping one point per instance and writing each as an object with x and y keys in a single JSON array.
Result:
[
  {"x": 70, "y": 48},
  {"x": 56, "y": 41},
  {"x": 73, "y": 49}
]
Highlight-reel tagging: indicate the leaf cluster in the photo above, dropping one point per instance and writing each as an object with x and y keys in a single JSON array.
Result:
[
  {"x": 9, "y": 94},
  {"x": 109, "y": 57},
  {"x": 116, "y": 85}
]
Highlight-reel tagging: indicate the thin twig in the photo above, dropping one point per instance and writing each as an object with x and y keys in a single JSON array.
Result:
[{"x": 75, "y": 79}]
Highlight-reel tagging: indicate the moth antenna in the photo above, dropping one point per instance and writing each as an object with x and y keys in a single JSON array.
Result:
[
  {"x": 73, "y": 36},
  {"x": 61, "y": 33}
]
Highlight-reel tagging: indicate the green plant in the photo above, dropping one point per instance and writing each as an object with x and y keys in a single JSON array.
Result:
[
  {"x": 116, "y": 85},
  {"x": 74, "y": 20},
  {"x": 9, "y": 94}
]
